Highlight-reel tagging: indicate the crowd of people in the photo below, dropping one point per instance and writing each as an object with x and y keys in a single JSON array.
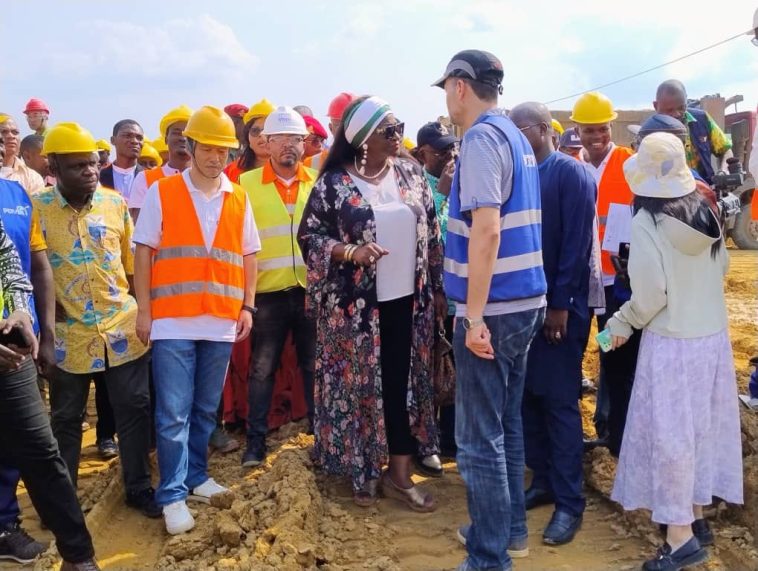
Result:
[{"x": 236, "y": 273}]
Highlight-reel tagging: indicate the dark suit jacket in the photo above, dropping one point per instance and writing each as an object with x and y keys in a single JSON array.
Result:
[{"x": 106, "y": 176}]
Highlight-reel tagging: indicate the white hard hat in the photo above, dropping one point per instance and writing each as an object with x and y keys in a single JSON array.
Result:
[{"x": 284, "y": 121}]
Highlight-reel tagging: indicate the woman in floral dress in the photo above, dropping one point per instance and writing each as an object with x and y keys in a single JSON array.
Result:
[{"x": 371, "y": 243}]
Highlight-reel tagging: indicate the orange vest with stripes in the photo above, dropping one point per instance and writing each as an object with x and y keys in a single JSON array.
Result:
[
  {"x": 187, "y": 279},
  {"x": 613, "y": 188}
]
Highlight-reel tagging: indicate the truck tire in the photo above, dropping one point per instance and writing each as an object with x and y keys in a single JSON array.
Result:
[{"x": 745, "y": 231}]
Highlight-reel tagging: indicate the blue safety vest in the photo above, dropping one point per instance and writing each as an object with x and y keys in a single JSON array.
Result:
[
  {"x": 518, "y": 272},
  {"x": 16, "y": 214}
]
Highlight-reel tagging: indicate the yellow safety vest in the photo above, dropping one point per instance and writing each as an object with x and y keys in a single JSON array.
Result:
[{"x": 280, "y": 262}]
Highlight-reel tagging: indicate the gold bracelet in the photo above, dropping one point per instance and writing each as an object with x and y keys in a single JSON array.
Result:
[
  {"x": 353, "y": 249},
  {"x": 347, "y": 252}
]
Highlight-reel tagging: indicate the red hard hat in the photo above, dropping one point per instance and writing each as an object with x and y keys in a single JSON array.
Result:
[
  {"x": 315, "y": 128},
  {"x": 339, "y": 104},
  {"x": 35, "y": 104},
  {"x": 236, "y": 110}
]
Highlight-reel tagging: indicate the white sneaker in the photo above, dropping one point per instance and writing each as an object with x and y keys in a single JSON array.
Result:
[
  {"x": 178, "y": 518},
  {"x": 205, "y": 490}
]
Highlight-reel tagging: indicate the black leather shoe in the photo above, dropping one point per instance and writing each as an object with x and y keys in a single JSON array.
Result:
[
  {"x": 691, "y": 553},
  {"x": 144, "y": 501},
  {"x": 596, "y": 443},
  {"x": 535, "y": 497},
  {"x": 562, "y": 528},
  {"x": 700, "y": 529}
]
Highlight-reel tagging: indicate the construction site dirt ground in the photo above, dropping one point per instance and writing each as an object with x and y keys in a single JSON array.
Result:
[{"x": 286, "y": 516}]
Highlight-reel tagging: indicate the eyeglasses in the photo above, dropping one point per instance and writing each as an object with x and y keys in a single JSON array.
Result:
[
  {"x": 315, "y": 140},
  {"x": 291, "y": 140},
  {"x": 522, "y": 129},
  {"x": 390, "y": 131},
  {"x": 446, "y": 152}
]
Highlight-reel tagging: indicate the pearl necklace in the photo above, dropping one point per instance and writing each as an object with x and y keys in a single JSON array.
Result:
[{"x": 362, "y": 170}]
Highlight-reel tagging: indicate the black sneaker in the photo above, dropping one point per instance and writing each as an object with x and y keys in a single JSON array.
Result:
[
  {"x": 254, "y": 454},
  {"x": 89, "y": 565},
  {"x": 700, "y": 529},
  {"x": 18, "y": 545},
  {"x": 691, "y": 553},
  {"x": 144, "y": 501}
]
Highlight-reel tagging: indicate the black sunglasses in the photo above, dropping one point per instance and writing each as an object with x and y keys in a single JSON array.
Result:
[{"x": 391, "y": 130}]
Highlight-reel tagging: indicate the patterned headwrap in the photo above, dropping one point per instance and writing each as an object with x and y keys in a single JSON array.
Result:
[{"x": 364, "y": 119}]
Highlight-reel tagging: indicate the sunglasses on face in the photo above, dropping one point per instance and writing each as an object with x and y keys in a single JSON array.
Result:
[
  {"x": 390, "y": 131},
  {"x": 291, "y": 140},
  {"x": 255, "y": 131},
  {"x": 452, "y": 150}
]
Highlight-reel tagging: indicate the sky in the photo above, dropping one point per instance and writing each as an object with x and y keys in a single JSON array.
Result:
[{"x": 98, "y": 62}]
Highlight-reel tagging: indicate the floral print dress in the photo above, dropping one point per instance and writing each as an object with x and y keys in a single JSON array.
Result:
[{"x": 349, "y": 416}]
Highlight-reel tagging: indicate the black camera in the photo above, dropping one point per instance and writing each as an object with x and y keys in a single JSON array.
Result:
[{"x": 725, "y": 182}]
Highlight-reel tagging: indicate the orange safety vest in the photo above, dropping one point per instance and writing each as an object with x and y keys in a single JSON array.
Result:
[
  {"x": 613, "y": 188},
  {"x": 154, "y": 175},
  {"x": 187, "y": 279},
  {"x": 316, "y": 161}
]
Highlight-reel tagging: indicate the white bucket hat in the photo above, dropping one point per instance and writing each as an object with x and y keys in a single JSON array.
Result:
[{"x": 659, "y": 169}]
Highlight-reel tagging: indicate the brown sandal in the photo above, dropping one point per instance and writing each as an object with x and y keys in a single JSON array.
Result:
[
  {"x": 413, "y": 497},
  {"x": 366, "y": 496}
]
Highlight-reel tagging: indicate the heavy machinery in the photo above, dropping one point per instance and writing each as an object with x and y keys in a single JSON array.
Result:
[{"x": 741, "y": 227}]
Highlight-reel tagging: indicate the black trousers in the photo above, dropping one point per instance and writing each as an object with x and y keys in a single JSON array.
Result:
[
  {"x": 278, "y": 313},
  {"x": 129, "y": 393},
  {"x": 26, "y": 442},
  {"x": 617, "y": 372},
  {"x": 106, "y": 423},
  {"x": 396, "y": 336}
]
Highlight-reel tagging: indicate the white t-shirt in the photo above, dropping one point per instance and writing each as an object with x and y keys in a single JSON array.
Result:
[
  {"x": 208, "y": 210},
  {"x": 396, "y": 233},
  {"x": 123, "y": 179},
  {"x": 139, "y": 186},
  {"x": 597, "y": 172}
]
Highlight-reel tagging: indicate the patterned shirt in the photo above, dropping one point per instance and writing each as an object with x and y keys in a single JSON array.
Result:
[
  {"x": 720, "y": 143},
  {"x": 440, "y": 203},
  {"x": 15, "y": 288},
  {"x": 90, "y": 252}
]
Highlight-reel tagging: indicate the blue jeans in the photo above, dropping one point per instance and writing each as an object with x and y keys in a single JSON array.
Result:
[
  {"x": 489, "y": 434},
  {"x": 189, "y": 377}
]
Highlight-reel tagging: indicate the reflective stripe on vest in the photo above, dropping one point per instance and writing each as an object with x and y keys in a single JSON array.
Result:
[
  {"x": 511, "y": 220},
  {"x": 280, "y": 262},
  {"x": 188, "y": 279},
  {"x": 613, "y": 188}
]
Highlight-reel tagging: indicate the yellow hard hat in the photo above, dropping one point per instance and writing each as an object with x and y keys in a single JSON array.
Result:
[
  {"x": 103, "y": 145},
  {"x": 159, "y": 145},
  {"x": 557, "y": 127},
  {"x": 179, "y": 114},
  {"x": 593, "y": 108},
  {"x": 4, "y": 118},
  {"x": 68, "y": 138},
  {"x": 149, "y": 152},
  {"x": 408, "y": 144},
  {"x": 263, "y": 108},
  {"x": 212, "y": 126}
]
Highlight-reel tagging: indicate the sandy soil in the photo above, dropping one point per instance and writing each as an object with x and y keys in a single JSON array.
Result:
[{"x": 285, "y": 516}]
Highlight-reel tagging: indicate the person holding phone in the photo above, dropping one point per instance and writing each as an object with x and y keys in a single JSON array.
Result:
[
  {"x": 682, "y": 444},
  {"x": 26, "y": 440}
]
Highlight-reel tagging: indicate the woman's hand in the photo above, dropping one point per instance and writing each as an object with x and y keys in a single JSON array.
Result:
[
  {"x": 369, "y": 254},
  {"x": 617, "y": 341}
]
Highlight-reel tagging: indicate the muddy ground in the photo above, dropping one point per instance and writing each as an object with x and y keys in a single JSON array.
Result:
[{"x": 286, "y": 516}]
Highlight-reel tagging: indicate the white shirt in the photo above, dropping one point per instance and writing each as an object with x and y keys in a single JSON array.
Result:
[
  {"x": 123, "y": 179},
  {"x": 139, "y": 186},
  {"x": 597, "y": 172},
  {"x": 208, "y": 210},
  {"x": 396, "y": 233}
]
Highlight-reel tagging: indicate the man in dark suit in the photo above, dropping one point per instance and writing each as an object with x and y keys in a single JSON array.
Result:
[{"x": 127, "y": 139}]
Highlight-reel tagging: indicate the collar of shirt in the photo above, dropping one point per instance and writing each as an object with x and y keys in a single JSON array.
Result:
[
  {"x": 598, "y": 171},
  {"x": 689, "y": 118},
  {"x": 269, "y": 175},
  {"x": 130, "y": 170},
  {"x": 432, "y": 180},
  {"x": 225, "y": 186},
  {"x": 97, "y": 196}
]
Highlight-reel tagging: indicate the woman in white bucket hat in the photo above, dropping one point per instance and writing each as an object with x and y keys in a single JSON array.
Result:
[{"x": 682, "y": 442}]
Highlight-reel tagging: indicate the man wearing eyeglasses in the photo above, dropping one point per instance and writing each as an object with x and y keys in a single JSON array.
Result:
[
  {"x": 13, "y": 166},
  {"x": 278, "y": 193}
]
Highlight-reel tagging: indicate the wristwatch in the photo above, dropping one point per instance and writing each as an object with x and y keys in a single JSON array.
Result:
[
  {"x": 252, "y": 310},
  {"x": 469, "y": 323}
]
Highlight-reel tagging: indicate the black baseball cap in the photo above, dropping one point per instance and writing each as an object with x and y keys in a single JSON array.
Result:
[
  {"x": 436, "y": 135},
  {"x": 478, "y": 65},
  {"x": 570, "y": 139}
]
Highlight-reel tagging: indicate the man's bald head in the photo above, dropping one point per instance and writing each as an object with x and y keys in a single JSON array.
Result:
[
  {"x": 671, "y": 99},
  {"x": 534, "y": 121},
  {"x": 530, "y": 113}
]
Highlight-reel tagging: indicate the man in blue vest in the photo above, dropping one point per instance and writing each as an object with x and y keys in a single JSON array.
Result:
[
  {"x": 23, "y": 229},
  {"x": 706, "y": 137},
  {"x": 493, "y": 271},
  {"x": 552, "y": 421}
]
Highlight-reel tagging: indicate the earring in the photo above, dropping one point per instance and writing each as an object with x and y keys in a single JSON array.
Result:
[{"x": 362, "y": 170}]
